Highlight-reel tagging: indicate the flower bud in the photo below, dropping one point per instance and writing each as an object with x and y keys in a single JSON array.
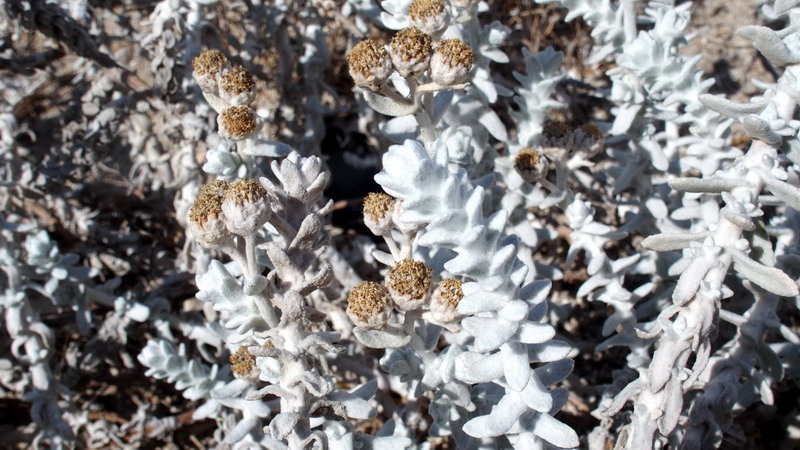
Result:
[
  {"x": 378, "y": 212},
  {"x": 530, "y": 165},
  {"x": 445, "y": 299},
  {"x": 370, "y": 64},
  {"x": 411, "y": 52},
  {"x": 589, "y": 139},
  {"x": 236, "y": 86},
  {"x": 246, "y": 207},
  {"x": 430, "y": 16},
  {"x": 207, "y": 68},
  {"x": 369, "y": 305},
  {"x": 409, "y": 282},
  {"x": 237, "y": 123},
  {"x": 451, "y": 62},
  {"x": 206, "y": 221},
  {"x": 556, "y": 133}
]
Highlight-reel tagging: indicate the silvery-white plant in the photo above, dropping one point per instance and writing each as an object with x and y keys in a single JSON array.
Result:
[
  {"x": 269, "y": 318},
  {"x": 681, "y": 246},
  {"x": 499, "y": 315},
  {"x": 485, "y": 391},
  {"x": 720, "y": 238},
  {"x": 48, "y": 275}
]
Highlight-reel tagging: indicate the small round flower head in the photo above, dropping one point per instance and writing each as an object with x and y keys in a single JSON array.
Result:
[
  {"x": 411, "y": 52},
  {"x": 246, "y": 207},
  {"x": 207, "y": 68},
  {"x": 531, "y": 165},
  {"x": 237, "y": 123},
  {"x": 588, "y": 138},
  {"x": 378, "y": 212},
  {"x": 430, "y": 16},
  {"x": 370, "y": 64},
  {"x": 556, "y": 133},
  {"x": 243, "y": 363},
  {"x": 409, "y": 282},
  {"x": 451, "y": 62},
  {"x": 445, "y": 299},
  {"x": 236, "y": 86},
  {"x": 206, "y": 221},
  {"x": 369, "y": 305}
]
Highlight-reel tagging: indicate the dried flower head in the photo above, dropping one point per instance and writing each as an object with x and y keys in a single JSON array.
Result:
[
  {"x": 430, "y": 16},
  {"x": 588, "y": 138},
  {"x": 207, "y": 68},
  {"x": 236, "y": 86},
  {"x": 370, "y": 64},
  {"x": 409, "y": 282},
  {"x": 378, "y": 212},
  {"x": 531, "y": 165},
  {"x": 591, "y": 130},
  {"x": 237, "y": 123},
  {"x": 216, "y": 188},
  {"x": 242, "y": 362},
  {"x": 246, "y": 207},
  {"x": 451, "y": 62},
  {"x": 556, "y": 133},
  {"x": 369, "y": 305},
  {"x": 445, "y": 299},
  {"x": 411, "y": 52},
  {"x": 206, "y": 221}
]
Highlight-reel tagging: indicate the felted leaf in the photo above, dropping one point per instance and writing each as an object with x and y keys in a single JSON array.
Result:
[
  {"x": 476, "y": 368},
  {"x": 514, "y": 311},
  {"x": 441, "y": 102},
  {"x": 729, "y": 108},
  {"x": 769, "y": 43},
  {"x": 535, "y": 333},
  {"x": 283, "y": 424},
  {"x": 479, "y": 300},
  {"x": 315, "y": 384},
  {"x": 516, "y": 367},
  {"x": 768, "y": 278},
  {"x": 672, "y": 406},
  {"x": 761, "y": 246},
  {"x": 536, "y": 396},
  {"x": 206, "y": 410},
  {"x": 269, "y": 149},
  {"x": 399, "y": 129},
  {"x": 784, "y": 191},
  {"x": 689, "y": 282},
  {"x": 660, "y": 370},
  {"x": 708, "y": 185},
  {"x": 356, "y": 407},
  {"x": 758, "y": 128},
  {"x": 554, "y": 372},
  {"x": 389, "y": 338},
  {"x": 499, "y": 421},
  {"x": 551, "y": 430},
  {"x": 535, "y": 292},
  {"x": 388, "y": 106},
  {"x": 490, "y": 333},
  {"x": 549, "y": 351}
]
